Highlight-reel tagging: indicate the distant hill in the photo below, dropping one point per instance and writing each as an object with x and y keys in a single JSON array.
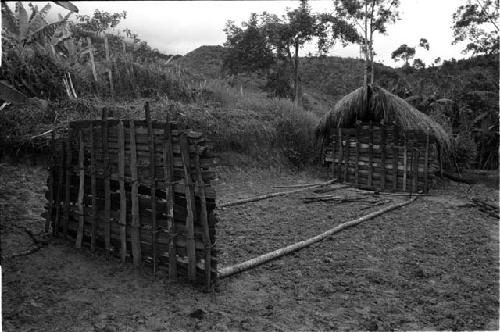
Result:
[
  {"x": 327, "y": 79},
  {"x": 205, "y": 60}
]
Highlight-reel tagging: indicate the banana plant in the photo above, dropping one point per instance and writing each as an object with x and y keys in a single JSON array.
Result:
[{"x": 20, "y": 30}]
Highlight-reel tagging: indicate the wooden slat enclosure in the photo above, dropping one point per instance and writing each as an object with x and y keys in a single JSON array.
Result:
[
  {"x": 139, "y": 190},
  {"x": 383, "y": 158}
]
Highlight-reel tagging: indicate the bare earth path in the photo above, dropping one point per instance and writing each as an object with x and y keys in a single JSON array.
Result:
[{"x": 430, "y": 265}]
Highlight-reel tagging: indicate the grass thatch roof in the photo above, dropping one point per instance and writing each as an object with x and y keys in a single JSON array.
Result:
[{"x": 382, "y": 105}]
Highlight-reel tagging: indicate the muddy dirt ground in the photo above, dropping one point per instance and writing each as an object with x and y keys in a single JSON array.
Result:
[{"x": 431, "y": 265}]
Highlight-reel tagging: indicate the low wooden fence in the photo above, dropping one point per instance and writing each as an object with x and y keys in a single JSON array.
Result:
[
  {"x": 383, "y": 158},
  {"x": 139, "y": 189}
]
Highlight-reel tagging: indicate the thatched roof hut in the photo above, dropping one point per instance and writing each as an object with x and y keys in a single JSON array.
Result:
[{"x": 382, "y": 105}]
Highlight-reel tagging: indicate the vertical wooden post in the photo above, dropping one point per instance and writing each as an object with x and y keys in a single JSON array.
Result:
[
  {"x": 405, "y": 162},
  {"x": 135, "y": 224},
  {"x": 370, "y": 156},
  {"x": 357, "y": 154},
  {"x": 109, "y": 63},
  {"x": 67, "y": 193},
  {"x": 168, "y": 169},
  {"x": 93, "y": 190},
  {"x": 415, "y": 171},
  {"x": 92, "y": 62},
  {"x": 190, "y": 205},
  {"x": 50, "y": 218},
  {"x": 346, "y": 158},
  {"x": 107, "y": 189},
  {"x": 426, "y": 163},
  {"x": 382, "y": 150},
  {"x": 341, "y": 155},
  {"x": 152, "y": 162},
  {"x": 204, "y": 218},
  {"x": 60, "y": 186},
  {"x": 123, "y": 198},
  {"x": 395, "y": 158},
  {"x": 81, "y": 190},
  {"x": 411, "y": 171},
  {"x": 333, "y": 145}
]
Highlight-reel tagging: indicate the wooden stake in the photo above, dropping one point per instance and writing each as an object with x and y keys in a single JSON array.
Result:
[
  {"x": 67, "y": 184},
  {"x": 81, "y": 155},
  {"x": 341, "y": 154},
  {"x": 426, "y": 163},
  {"x": 357, "y": 154},
  {"x": 58, "y": 194},
  {"x": 93, "y": 231},
  {"x": 50, "y": 219},
  {"x": 203, "y": 219},
  {"x": 395, "y": 159},
  {"x": 109, "y": 64},
  {"x": 333, "y": 144},
  {"x": 228, "y": 271},
  {"x": 382, "y": 147},
  {"x": 92, "y": 62},
  {"x": 405, "y": 166},
  {"x": 370, "y": 172},
  {"x": 107, "y": 189},
  {"x": 152, "y": 162},
  {"x": 123, "y": 198},
  {"x": 169, "y": 190},
  {"x": 415, "y": 171},
  {"x": 346, "y": 160},
  {"x": 135, "y": 224},
  {"x": 191, "y": 208}
]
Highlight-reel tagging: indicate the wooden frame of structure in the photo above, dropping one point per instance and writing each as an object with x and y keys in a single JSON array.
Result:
[
  {"x": 383, "y": 157},
  {"x": 140, "y": 189}
]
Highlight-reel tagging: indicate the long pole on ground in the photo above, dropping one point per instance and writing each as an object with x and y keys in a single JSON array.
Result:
[
  {"x": 228, "y": 271},
  {"x": 280, "y": 193}
]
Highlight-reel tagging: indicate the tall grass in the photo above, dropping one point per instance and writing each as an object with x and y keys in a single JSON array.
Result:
[{"x": 250, "y": 123}]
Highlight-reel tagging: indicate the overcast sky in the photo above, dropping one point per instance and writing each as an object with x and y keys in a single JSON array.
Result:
[{"x": 178, "y": 27}]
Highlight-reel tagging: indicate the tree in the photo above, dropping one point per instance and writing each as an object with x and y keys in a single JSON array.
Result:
[
  {"x": 418, "y": 64},
  {"x": 369, "y": 16},
  {"x": 270, "y": 42},
  {"x": 100, "y": 21},
  {"x": 403, "y": 52},
  {"x": 406, "y": 53},
  {"x": 249, "y": 49},
  {"x": 476, "y": 21},
  {"x": 302, "y": 25}
]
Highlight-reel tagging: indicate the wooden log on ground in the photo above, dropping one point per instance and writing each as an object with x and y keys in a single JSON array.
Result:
[
  {"x": 228, "y": 271},
  {"x": 305, "y": 185},
  {"x": 261, "y": 197}
]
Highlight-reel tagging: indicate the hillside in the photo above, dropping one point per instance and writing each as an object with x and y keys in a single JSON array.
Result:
[{"x": 206, "y": 60}]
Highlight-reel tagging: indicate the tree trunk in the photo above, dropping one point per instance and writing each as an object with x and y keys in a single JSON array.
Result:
[
  {"x": 296, "y": 97},
  {"x": 365, "y": 74}
]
